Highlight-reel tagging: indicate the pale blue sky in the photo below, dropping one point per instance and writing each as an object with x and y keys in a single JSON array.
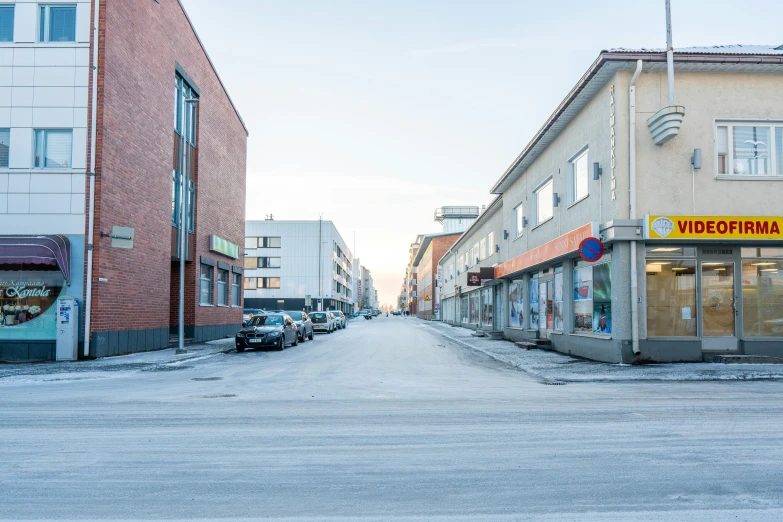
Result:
[{"x": 377, "y": 112}]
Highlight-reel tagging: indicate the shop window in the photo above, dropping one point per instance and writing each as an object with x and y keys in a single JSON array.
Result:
[
  {"x": 543, "y": 198},
  {"x": 749, "y": 149},
  {"x": 533, "y": 316},
  {"x": 53, "y": 148},
  {"x": 519, "y": 219},
  {"x": 671, "y": 298},
  {"x": 592, "y": 298},
  {"x": 57, "y": 23},
  {"x": 486, "y": 307},
  {"x": 205, "y": 294},
  {"x": 670, "y": 251},
  {"x": 251, "y": 283},
  {"x": 762, "y": 252},
  {"x": 27, "y": 296},
  {"x": 516, "y": 304},
  {"x": 236, "y": 296},
  {"x": 578, "y": 180},
  {"x": 222, "y": 288},
  {"x": 559, "y": 322},
  {"x": 464, "y": 310},
  {"x": 474, "y": 307},
  {"x": 762, "y": 297},
  {"x": 5, "y": 143},
  {"x": 6, "y": 23}
]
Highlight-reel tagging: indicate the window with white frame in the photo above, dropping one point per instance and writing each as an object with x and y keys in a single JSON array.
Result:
[
  {"x": 483, "y": 248},
  {"x": 57, "y": 23},
  {"x": 490, "y": 244},
  {"x": 749, "y": 149},
  {"x": 5, "y": 144},
  {"x": 53, "y": 148},
  {"x": 476, "y": 253},
  {"x": 519, "y": 219},
  {"x": 6, "y": 23},
  {"x": 544, "y": 202},
  {"x": 578, "y": 184}
]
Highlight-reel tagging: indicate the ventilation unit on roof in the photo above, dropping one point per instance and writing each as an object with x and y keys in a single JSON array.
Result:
[{"x": 665, "y": 124}]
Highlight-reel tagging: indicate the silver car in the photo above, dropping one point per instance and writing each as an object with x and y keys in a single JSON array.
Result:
[
  {"x": 303, "y": 324},
  {"x": 322, "y": 322},
  {"x": 340, "y": 320}
]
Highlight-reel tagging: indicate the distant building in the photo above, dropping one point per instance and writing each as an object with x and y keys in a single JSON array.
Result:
[{"x": 430, "y": 251}]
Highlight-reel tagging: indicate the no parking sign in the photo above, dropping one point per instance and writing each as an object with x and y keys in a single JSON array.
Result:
[{"x": 591, "y": 249}]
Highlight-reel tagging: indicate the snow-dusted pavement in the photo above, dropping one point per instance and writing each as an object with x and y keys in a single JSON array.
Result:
[{"x": 386, "y": 420}]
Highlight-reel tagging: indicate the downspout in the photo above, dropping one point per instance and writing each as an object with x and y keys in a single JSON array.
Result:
[
  {"x": 632, "y": 208},
  {"x": 91, "y": 211}
]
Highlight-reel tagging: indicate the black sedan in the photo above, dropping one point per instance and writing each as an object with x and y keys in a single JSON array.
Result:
[{"x": 277, "y": 330}]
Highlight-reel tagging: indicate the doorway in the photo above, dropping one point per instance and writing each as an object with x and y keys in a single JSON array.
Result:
[
  {"x": 546, "y": 306},
  {"x": 719, "y": 306}
]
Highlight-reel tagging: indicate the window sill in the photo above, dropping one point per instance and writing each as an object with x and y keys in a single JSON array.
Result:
[
  {"x": 732, "y": 177},
  {"x": 223, "y": 306},
  {"x": 207, "y": 305},
  {"x": 520, "y": 236},
  {"x": 578, "y": 201},
  {"x": 591, "y": 335},
  {"x": 543, "y": 222}
]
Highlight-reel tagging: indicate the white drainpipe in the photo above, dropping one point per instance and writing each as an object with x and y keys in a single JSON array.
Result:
[
  {"x": 91, "y": 211},
  {"x": 632, "y": 214}
]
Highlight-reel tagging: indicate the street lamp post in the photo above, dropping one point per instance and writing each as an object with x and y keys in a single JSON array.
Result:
[{"x": 184, "y": 179}]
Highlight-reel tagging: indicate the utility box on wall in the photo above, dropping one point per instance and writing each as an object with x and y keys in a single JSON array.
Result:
[{"x": 67, "y": 329}]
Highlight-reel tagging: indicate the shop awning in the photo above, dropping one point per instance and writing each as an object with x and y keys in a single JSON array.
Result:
[{"x": 37, "y": 250}]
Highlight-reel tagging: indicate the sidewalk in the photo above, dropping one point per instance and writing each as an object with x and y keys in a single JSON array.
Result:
[
  {"x": 156, "y": 361},
  {"x": 554, "y": 367}
]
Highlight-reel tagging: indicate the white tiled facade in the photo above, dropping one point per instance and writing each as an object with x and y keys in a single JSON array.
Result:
[{"x": 44, "y": 86}]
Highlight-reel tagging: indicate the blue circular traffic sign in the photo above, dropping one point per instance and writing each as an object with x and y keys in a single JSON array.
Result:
[{"x": 591, "y": 249}]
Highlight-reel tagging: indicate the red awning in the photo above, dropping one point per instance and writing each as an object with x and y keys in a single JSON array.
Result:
[{"x": 37, "y": 250}]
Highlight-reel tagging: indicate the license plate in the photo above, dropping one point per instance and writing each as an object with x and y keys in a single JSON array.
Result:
[{"x": 254, "y": 340}]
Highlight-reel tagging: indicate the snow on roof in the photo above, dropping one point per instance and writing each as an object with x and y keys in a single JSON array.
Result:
[{"x": 713, "y": 49}]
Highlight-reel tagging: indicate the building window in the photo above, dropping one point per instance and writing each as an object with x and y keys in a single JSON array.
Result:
[
  {"x": 269, "y": 242},
  {"x": 268, "y": 282},
  {"x": 534, "y": 310},
  {"x": 251, "y": 262},
  {"x": 6, "y": 23},
  {"x": 592, "y": 298},
  {"x": 749, "y": 149},
  {"x": 475, "y": 304},
  {"x": 57, "y": 23},
  {"x": 236, "y": 282},
  {"x": 544, "y": 200},
  {"x": 483, "y": 248},
  {"x": 519, "y": 219},
  {"x": 205, "y": 295},
  {"x": 671, "y": 298},
  {"x": 5, "y": 144},
  {"x": 578, "y": 180},
  {"x": 559, "y": 321},
  {"x": 762, "y": 277},
  {"x": 222, "y": 288},
  {"x": 464, "y": 312},
  {"x": 268, "y": 262},
  {"x": 516, "y": 304},
  {"x": 251, "y": 242},
  {"x": 53, "y": 149},
  {"x": 486, "y": 307},
  {"x": 490, "y": 244},
  {"x": 251, "y": 283},
  {"x": 476, "y": 252}
]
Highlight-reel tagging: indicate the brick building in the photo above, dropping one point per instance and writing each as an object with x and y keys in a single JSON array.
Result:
[
  {"x": 160, "y": 113},
  {"x": 430, "y": 251}
]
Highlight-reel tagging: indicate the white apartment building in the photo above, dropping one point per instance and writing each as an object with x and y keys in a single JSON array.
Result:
[{"x": 297, "y": 265}]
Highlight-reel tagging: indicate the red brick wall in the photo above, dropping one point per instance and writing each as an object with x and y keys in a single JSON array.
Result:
[
  {"x": 144, "y": 40},
  {"x": 429, "y": 262}
]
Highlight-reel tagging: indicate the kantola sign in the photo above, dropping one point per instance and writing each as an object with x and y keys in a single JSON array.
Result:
[
  {"x": 714, "y": 227},
  {"x": 23, "y": 289}
]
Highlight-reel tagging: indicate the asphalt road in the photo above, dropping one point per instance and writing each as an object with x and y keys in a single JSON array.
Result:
[{"x": 384, "y": 421}]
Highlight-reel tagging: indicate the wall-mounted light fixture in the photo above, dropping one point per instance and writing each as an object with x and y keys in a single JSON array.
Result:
[
  {"x": 555, "y": 199},
  {"x": 597, "y": 171},
  {"x": 524, "y": 222},
  {"x": 505, "y": 234},
  {"x": 696, "y": 159},
  {"x": 497, "y": 248}
]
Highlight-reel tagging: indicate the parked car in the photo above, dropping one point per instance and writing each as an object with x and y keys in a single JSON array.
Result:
[
  {"x": 277, "y": 330},
  {"x": 304, "y": 324},
  {"x": 248, "y": 314},
  {"x": 366, "y": 314},
  {"x": 342, "y": 321},
  {"x": 334, "y": 320},
  {"x": 322, "y": 322},
  {"x": 396, "y": 312}
]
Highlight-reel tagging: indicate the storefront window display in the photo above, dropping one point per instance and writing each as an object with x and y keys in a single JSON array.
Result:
[
  {"x": 474, "y": 307},
  {"x": 26, "y": 295},
  {"x": 486, "y": 307},
  {"x": 671, "y": 298},
  {"x": 464, "y": 309},
  {"x": 559, "y": 323},
  {"x": 516, "y": 302},
  {"x": 762, "y": 297},
  {"x": 545, "y": 305},
  {"x": 534, "y": 301},
  {"x": 592, "y": 298}
]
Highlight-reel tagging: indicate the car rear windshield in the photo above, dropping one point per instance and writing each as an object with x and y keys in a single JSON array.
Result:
[
  {"x": 318, "y": 318},
  {"x": 266, "y": 320},
  {"x": 296, "y": 316}
]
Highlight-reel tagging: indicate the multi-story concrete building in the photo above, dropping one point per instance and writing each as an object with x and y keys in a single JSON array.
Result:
[
  {"x": 98, "y": 123},
  {"x": 682, "y": 191},
  {"x": 297, "y": 265}
]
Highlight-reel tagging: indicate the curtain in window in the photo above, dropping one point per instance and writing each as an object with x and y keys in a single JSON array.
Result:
[
  {"x": 5, "y": 141},
  {"x": 62, "y": 24},
  {"x": 7, "y": 23}
]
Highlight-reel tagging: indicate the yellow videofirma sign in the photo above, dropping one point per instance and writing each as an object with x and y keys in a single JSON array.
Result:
[{"x": 714, "y": 227}]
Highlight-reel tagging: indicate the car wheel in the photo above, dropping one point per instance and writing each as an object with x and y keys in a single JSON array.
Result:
[
  {"x": 310, "y": 337},
  {"x": 240, "y": 349},
  {"x": 281, "y": 344},
  {"x": 296, "y": 339}
]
